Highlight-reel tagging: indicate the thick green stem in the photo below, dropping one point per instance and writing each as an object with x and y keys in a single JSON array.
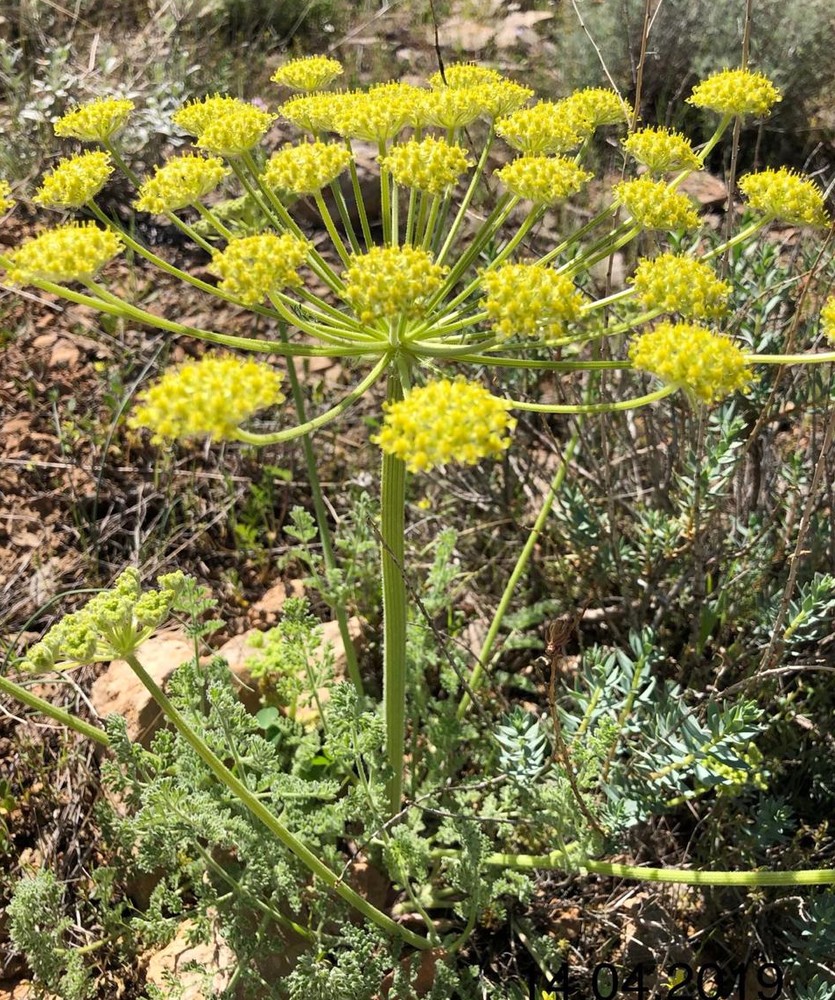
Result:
[
  {"x": 261, "y": 813},
  {"x": 393, "y": 524}
]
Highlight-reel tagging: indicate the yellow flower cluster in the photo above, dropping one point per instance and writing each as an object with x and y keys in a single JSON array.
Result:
[
  {"x": 111, "y": 625},
  {"x": 252, "y": 267},
  {"x": 445, "y": 422},
  {"x": 213, "y": 396},
  {"x": 828, "y": 319},
  {"x": 391, "y": 281},
  {"x": 236, "y": 132},
  {"x": 74, "y": 181},
  {"x": 453, "y": 107},
  {"x": 309, "y": 73},
  {"x": 224, "y": 125},
  {"x": 530, "y": 300},
  {"x": 378, "y": 114},
  {"x": 544, "y": 180},
  {"x": 786, "y": 195},
  {"x": 662, "y": 150},
  {"x": 428, "y": 165},
  {"x": 680, "y": 285},
  {"x": 306, "y": 168},
  {"x": 96, "y": 121},
  {"x": 708, "y": 366},
  {"x": 503, "y": 98},
  {"x": 6, "y": 200},
  {"x": 654, "y": 205},
  {"x": 314, "y": 113},
  {"x": 546, "y": 127},
  {"x": 181, "y": 181},
  {"x": 196, "y": 116},
  {"x": 465, "y": 75},
  {"x": 598, "y": 106},
  {"x": 66, "y": 253},
  {"x": 736, "y": 92}
]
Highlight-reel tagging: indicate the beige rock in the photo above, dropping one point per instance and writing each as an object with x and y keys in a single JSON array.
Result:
[
  {"x": 264, "y": 612},
  {"x": 274, "y": 598},
  {"x": 64, "y": 354},
  {"x": 238, "y": 650},
  {"x": 705, "y": 188},
  {"x": 215, "y": 959},
  {"x": 119, "y": 690}
]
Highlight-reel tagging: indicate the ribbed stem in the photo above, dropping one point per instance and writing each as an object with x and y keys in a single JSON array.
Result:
[{"x": 393, "y": 524}]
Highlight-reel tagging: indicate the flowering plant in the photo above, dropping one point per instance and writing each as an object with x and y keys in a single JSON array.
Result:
[{"x": 423, "y": 299}]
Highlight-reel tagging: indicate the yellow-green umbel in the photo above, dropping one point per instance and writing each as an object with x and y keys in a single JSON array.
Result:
[
  {"x": 67, "y": 253},
  {"x": 211, "y": 397},
  {"x": 182, "y": 181},
  {"x": 736, "y": 92},
  {"x": 430, "y": 164},
  {"x": 706, "y": 365},
  {"x": 661, "y": 150},
  {"x": 443, "y": 422},
  {"x": 388, "y": 282},
  {"x": 308, "y": 73},
  {"x": 530, "y": 300},
  {"x": 786, "y": 195},
  {"x": 682, "y": 285},
  {"x": 75, "y": 181},
  {"x": 653, "y": 205},
  {"x": 253, "y": 267},
  {"x": 95, "y": 121}
]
